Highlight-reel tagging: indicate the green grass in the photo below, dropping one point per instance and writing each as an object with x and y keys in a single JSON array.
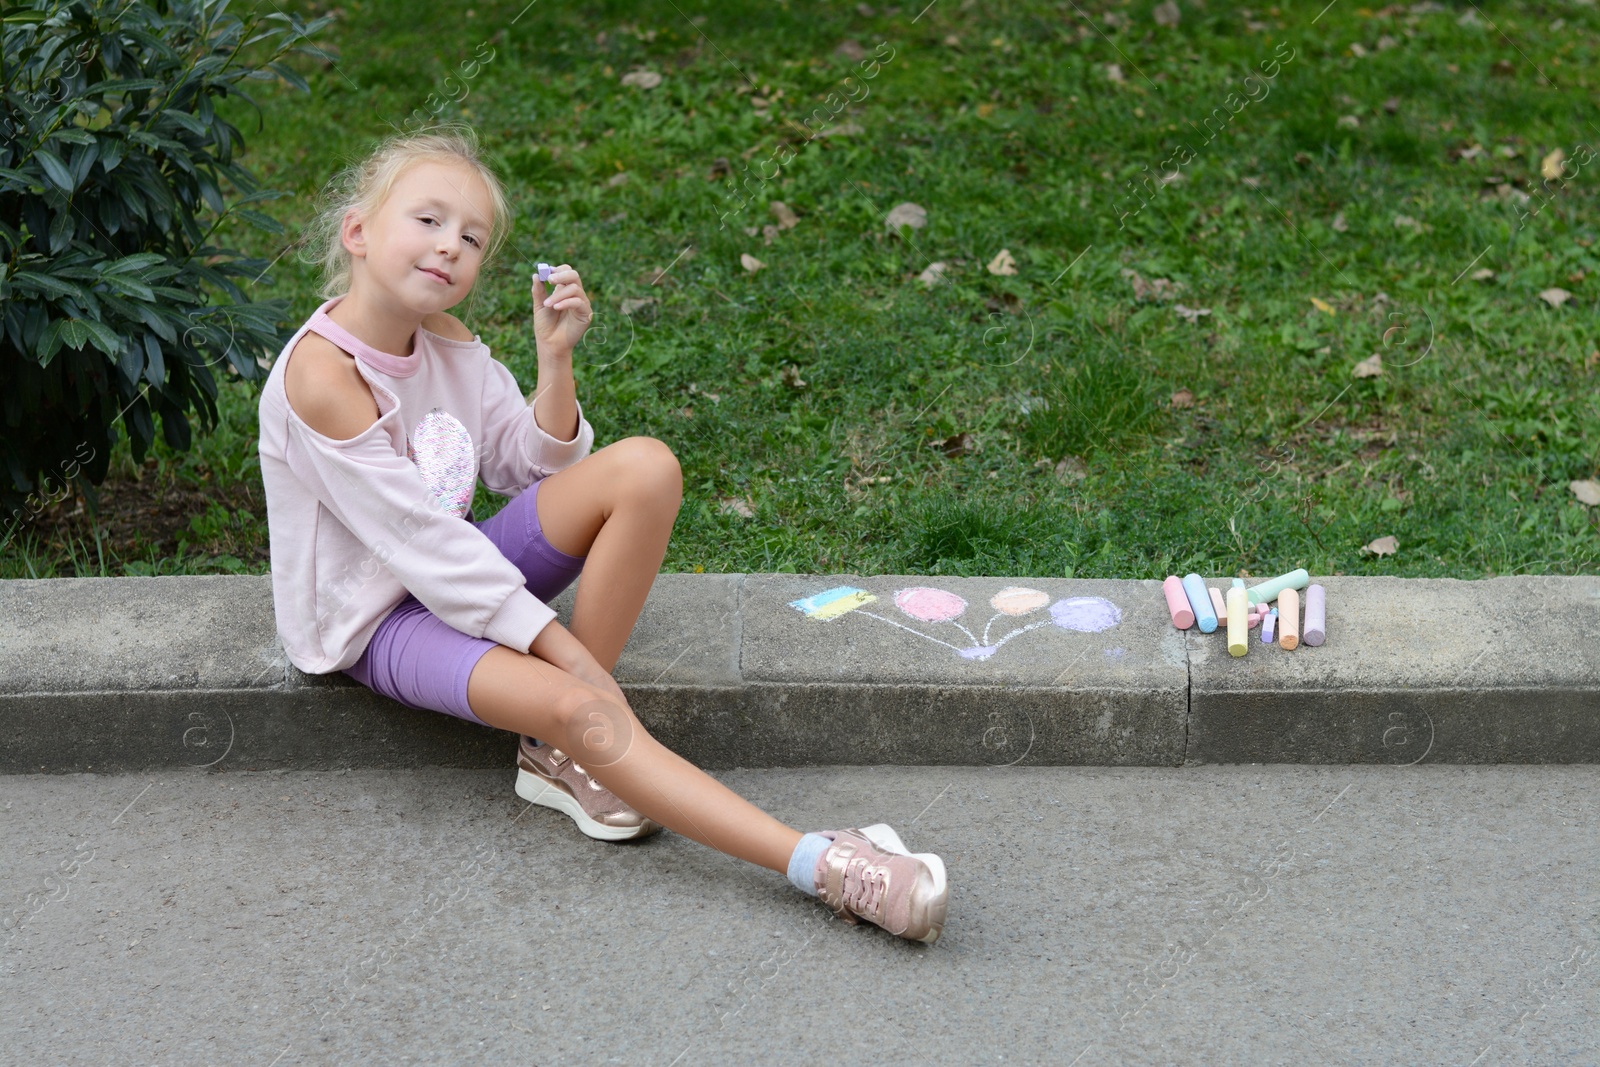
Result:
[{"x": 1016, "y": 139}]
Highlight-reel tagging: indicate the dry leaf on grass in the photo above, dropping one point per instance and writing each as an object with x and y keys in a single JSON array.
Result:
[
  {"x": 1550, "y": 166},
  {"x": 1371, "y": 367},
  {"x": 1182, "y": 399},
  {"x": 1166, "y": 13},
  {"x": 1191, "y": 314},
  {"x": 1321, "y": 305},
  {"x": 844, "y": 129},
  {"x": 1003, "y": 263},
  {"x": 934, "y": 274},
  {"x": 739, "y": 506},
  {"x": 1383, "y": 546},
  {"x": 1483, "y": 274},
  {"x": 1339, "y": 225},
  {"x": 791, "y": 377},
  {"x": 907, "y": 214},
  {"x": 1071, "y": 470},
  {"x": 1154, "y": 289},
  {"x": 1555, "y": 297},
  {"x": 1587, "y": 492},
  {"x": 787, "y": 219},
  {"x": 644, "y": 79},
  {"x": 959, "y": 445},
  {"x": 1114, "y": 73},
  {"x": 750, "y": 263}
]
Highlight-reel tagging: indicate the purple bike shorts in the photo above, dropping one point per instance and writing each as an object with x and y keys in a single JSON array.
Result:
[{"x": 422, "y": 661}]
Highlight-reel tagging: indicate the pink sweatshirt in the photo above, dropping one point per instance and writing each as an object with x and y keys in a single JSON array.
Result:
[{"x": 355, "y": 525}]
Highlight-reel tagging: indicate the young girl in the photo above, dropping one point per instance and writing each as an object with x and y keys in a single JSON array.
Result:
[{"x": 377, "y": 421}]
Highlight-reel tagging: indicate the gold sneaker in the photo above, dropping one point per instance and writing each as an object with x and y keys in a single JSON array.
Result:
[
  {"x": 868, "y": 874},
  {"x": 549, "y": 777}
]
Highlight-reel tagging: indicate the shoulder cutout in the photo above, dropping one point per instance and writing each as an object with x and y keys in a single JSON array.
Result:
[
  {"x": 447, "y": 325},
  {"x": 326, "y": 390}
]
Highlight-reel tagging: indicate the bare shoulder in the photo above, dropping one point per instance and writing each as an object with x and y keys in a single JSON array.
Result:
[
  {"x": 326, "y": 390},
  {"x": 447, "y": 326}
]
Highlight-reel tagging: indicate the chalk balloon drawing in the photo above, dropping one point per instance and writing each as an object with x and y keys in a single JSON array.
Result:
[{"x": 940, "y": 607}]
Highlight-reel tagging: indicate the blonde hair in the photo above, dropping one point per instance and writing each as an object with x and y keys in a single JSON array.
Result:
[{"x": 364, "y": 186}]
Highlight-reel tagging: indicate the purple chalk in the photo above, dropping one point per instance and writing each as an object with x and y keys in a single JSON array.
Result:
[
  {"x": 544, "y": 272},
  {"x": 1316, "y": 615},
  {"x": 1269, "y": 624},
  {"x": 1090, "y": 614}
]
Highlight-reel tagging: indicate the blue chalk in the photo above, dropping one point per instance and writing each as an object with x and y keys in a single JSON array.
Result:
[{"x": 1205, "y": 616}]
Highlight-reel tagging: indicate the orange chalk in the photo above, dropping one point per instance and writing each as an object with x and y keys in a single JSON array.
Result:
[{"x": 1288, "y": 618}]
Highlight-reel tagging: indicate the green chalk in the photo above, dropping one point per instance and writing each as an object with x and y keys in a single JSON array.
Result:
[{"x": 1268, "y": 591}]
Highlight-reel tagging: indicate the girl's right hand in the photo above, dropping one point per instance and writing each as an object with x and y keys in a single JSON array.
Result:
[{"x": 556, "y": 646}]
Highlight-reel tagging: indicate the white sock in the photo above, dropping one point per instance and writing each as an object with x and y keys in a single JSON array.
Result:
[{"x": 803, "y": 863}]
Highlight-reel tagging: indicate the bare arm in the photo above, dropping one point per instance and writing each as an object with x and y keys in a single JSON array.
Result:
[{"x": 560, "y": 318}]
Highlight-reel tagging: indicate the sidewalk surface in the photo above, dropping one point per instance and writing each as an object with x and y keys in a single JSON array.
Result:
[
  {"x": 1200, "y": 915},
  {"x": 786, "y": 670}
]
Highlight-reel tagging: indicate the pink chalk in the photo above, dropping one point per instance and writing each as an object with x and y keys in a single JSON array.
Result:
[
  {"x": 1178, "y": 602},
  {"x": 1219, "y": 605}
]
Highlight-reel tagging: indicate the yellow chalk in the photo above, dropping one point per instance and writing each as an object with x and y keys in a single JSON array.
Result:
[{"x": 1238, "y": 627}]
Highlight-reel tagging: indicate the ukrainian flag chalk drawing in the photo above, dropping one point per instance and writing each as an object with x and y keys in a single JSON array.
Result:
[
  {"x": 831, "y": 603},
  {"x": 925, "y": 604}
]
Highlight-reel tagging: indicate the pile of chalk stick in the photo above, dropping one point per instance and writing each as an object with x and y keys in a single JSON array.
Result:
[{"x": 1191, "y": 603}]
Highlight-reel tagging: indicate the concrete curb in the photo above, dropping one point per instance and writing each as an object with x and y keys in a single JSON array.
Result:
[{"x": 137, "y": 674}]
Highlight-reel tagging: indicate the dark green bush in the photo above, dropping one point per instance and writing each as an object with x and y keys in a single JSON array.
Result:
[{"x": 112, "y": 160}]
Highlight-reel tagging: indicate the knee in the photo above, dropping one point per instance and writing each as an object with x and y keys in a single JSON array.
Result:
[
  {"x": 650, "y": 472},
  {"x": 594, "y": 730}
]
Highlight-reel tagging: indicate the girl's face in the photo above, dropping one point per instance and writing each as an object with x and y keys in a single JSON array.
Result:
[{"x": 427, "y": 240}]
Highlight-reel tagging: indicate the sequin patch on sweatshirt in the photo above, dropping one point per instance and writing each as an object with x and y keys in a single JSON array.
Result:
[{"x": 442, "y": 450}]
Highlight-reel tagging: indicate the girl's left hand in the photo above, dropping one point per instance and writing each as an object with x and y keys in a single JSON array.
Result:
[{"x": 561, "y": 316}]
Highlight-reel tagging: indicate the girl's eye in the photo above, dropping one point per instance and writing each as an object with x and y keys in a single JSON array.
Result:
[{"x": 471, "y": 237}]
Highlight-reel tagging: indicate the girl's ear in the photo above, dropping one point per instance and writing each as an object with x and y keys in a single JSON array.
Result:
[{"x": 352, "y": 233}]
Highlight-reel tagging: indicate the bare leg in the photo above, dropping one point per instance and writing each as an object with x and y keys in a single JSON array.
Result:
[
  {"x": 616, "y": 507},
  {"x": 515, "y": 691}
]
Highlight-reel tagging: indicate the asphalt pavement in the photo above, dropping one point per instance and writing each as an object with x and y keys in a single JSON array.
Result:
[{"x": 1249, "y": 914}]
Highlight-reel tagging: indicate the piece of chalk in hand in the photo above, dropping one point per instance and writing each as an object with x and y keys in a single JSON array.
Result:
[
  {"x": 1316, "y": 615},
  {"x": 1177, "y": 602},
  {"x": 544, "y": 272}
]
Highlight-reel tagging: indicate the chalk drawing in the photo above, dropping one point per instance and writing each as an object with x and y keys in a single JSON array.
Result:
[{"x": 938, "y": 607}]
